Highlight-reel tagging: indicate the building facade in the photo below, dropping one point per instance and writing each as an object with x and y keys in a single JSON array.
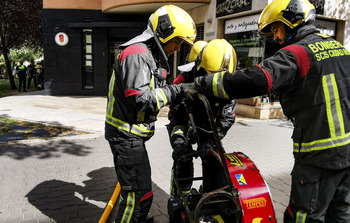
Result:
[{"x": 82, "y": 36}]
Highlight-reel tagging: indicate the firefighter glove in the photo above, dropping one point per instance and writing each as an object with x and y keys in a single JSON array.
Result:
[
  {"x": 190, "y": 136},
  {"x": 191, "y": 93},
  {"x": 185, "y": 86}
]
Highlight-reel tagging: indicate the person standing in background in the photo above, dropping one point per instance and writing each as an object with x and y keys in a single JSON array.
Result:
[
  {"x": 22, "y": 76},
  {"x": 31, "y": 74}
]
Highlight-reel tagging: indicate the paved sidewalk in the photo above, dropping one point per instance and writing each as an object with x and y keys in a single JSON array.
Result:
[
  {"x": 71, "y": 179},
  {"x": 76, "y": 112}
]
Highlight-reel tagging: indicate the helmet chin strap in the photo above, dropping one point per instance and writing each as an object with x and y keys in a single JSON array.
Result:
[
  {"x": 156, "y": 39},
  {"x": 290, "y": 37}
]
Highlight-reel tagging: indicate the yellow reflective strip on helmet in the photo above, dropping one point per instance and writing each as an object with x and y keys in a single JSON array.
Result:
[
  {"x": 129, "y": 209},
  {"x": 225, "y": 58}
]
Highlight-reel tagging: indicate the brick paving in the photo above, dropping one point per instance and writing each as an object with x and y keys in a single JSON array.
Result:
[{"x": 71, "y": 179}]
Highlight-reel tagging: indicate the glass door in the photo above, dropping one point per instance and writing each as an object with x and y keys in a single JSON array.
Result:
[{"x": 87, "y": 69}]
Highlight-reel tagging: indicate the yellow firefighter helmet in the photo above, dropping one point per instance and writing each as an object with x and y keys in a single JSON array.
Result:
[
  {"x": 290, "y": 12},
  {"x": 170, "y": 21},
  {"x": 218, "y": 55},
  {"x": 196, "y": 49}
]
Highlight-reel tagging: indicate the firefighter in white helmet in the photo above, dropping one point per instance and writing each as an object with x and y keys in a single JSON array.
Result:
[
  {"x": 311, "y": 75},
  {"x": 189, "y": 70},
  {"x": 137, "y": 91},
  {"x": 218, "y": 55}
]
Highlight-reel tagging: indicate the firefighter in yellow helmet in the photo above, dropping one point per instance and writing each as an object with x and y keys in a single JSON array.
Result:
[
  {"x": 311, "y": 75},
  {"x": 137, "y": 91},
  {"x": 217, "y": 55},
  {"x": 196, "y": 49}
]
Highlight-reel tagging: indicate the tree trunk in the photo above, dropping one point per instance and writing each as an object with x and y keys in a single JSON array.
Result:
[{"x": 9, "y": 70}]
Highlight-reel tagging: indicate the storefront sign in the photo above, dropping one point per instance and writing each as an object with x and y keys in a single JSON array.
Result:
[
  {"x": 227, "y": 7},
  {"x": 61, "y": 39},
  {"x": 326, "y": 27},
  {"x": 250, "y": 23},
  {"x": 243, "y": 24}
]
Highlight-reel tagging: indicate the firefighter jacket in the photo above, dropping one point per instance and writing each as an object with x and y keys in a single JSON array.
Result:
[
  {"x": 179, "y": 127},
  {"x": 31, "y": 69},
  {"x": 137, "y": 91},
  {"x": 312, "y": 77}
]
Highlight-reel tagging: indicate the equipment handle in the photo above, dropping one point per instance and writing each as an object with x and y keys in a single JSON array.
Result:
[{"x": 110, "y": 204}]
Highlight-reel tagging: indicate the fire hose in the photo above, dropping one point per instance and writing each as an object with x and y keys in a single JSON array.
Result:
[{"x": 110, "y": 204}]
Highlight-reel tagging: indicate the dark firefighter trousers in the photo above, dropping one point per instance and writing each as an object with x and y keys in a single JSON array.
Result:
[
  {"x": 134, "y": 175},
  {"x": 22, "y": 82},
  {"x": 185, "y": 168},
  {"x": 319, "y": 195}
]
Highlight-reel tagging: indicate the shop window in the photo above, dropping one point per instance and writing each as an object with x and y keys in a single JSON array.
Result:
[
  {"x": 200, "y": 32},
  {"x": 249, "y": 47},
  {"x": 87, "y": 55}
]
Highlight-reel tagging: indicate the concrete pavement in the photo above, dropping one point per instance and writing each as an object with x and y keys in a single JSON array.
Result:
[{"x": 71, "y": 179}]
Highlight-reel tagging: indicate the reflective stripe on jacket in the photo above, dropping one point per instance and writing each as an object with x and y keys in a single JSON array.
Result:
[
  {"x": 22, "y": 70},
  {"x": 312, "y": 79},
  {"x": 135, "y": 95}
]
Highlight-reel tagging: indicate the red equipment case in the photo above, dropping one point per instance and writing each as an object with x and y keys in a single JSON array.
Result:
[{"x": 254, "y": 194}]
